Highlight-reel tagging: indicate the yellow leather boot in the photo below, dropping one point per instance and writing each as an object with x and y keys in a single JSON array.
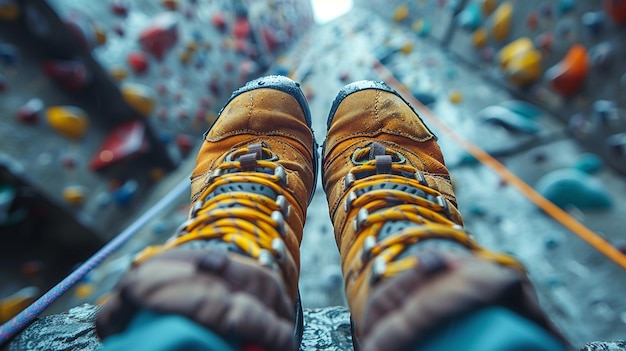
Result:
[
  {"x": 233, "y": 266},
  {"x": 408, "y": 264}
]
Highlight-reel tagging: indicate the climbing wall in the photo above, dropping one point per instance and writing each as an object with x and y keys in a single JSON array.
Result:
[
  {"x": 101, "y": 101},
  {"x": 562, "y": 55}
]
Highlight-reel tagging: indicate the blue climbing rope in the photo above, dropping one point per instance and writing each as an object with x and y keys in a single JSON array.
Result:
[{"x": 11, "y": 328}]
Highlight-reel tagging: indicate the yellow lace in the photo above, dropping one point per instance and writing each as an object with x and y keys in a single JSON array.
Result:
[
  {"x": 374, "y": 207},
  {"x": 251, "y": 226}
]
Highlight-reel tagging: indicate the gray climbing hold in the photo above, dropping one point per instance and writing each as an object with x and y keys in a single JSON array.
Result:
[
  {"x": 522, "y": 108},
  {"x": 602, "y": 56},
  {"x": 588, "y": 163},
  {"x": 508, "y": 119},
  {"x": 572, "y": 188},
  {"x": 424, "y": 98}
]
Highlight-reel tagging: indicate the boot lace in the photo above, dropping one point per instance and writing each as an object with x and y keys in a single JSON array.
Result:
[
  {"x": 393, "y": 208},
  {"x": 244, "y": 206}
]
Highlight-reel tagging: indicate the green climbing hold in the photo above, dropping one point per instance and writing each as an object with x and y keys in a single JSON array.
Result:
[{"x": 573, "y": 188}]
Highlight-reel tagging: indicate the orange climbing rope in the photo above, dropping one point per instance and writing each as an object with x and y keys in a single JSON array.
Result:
[{"x": 547, "y": 206}]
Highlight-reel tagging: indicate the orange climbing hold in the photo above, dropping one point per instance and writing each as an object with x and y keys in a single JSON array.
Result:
[
  {"x": 9, "y": 10},
  {"x": 567, "y": 76},
  {"x": 479, "y": 38},
  {"x": 487, "y": 6},
  {"x": 520, "y": 62},
  {"x": 69, "y": 121},
  {"x": 74, "y": 194},
  {"x": 501, "y": 26},
  {"x": 401, "y": 13}
]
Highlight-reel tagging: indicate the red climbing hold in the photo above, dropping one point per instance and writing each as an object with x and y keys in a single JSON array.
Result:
[
  {"x": 160, "y": 35},
  {"x": 71, "y": 75},
  {"x": 567, "y": 76},
  {"x": 126, "y": 141},
  {"x": 119, "y": 7},
  {"x": 30, "y": 112},
  {"x": 616, "y": 9},
  {"x": 138, "y": 62},
  {"x": 184, "y": 143},
  {"x": 242, "y": 28},
  {"x": 218, "y": 21}
]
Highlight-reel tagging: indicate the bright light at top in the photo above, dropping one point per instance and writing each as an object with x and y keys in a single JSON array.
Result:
[{"x": 326, "y": 10}]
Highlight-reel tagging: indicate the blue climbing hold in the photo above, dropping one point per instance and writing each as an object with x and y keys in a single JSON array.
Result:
[
  {"x": 509, "y": 120},
  {"x": 522, "y": 108},
  {"x": 568, "y": 188},
  {"x": 8, "y": 55},
  {"x": 470, "y": 19},
  {"x": 588, "y": 163},
  {"x": 602, "y": 55},
  {"x": 605, "y": 112},
  {"x": 593, "y": 22},
  {"x": 565, "y": 6},
  {"x": 124, "y": 194},
  {"x": 425, "y": 98}
]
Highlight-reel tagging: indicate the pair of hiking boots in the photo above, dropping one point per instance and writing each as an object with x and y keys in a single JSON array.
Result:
[{"x": 408, "y": 264}]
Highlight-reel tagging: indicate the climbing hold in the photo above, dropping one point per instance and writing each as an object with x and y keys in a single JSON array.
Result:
[
  {"x": 241, "y": 29},
  {"x": 487, "y": 6},
  {"x": 593, "y": 22},
  {"x": 84, "y": 290},
  {"x": 31, "y": 112},
  {"x": 120, "y": 7},
  {"x": 118, "y": 73},
  {"x": 82, "y": 29},
  {"x": 139, "y": 97},
  {"x": 522, "y": 108},
  {"x": 572, "y": 188},
  {"x": 71, "y": 75},
  {"x": 616, "y": 9},
  {"x": 101, "y": 35},
  {"x": 15, "y": 303},
  {"x": 476, "y": 210},
  {"x": 171, "y": 5},
  {"x": 69, "y": 161},
  {"x": 532, "y": 21},
  {"x": 184, "y": 143},
  {"x": 10, "y": 213},
  {"x": 566, "y": 6},
  {"x": 567, "y": 76},
  {"x": 602, "y": 55},
  {"x": 69, "y": 121},
  {"x": 617, "y": 145},
  {"x": 546, "y": 11},
  {"x": 138, "y": 61},
  {"x": 218, "y": 21},
  {"x": 544, "y": 42},
  {"x": 479, "y": 38},
  {"x": 424, "y": 97},
  {"x": 9, "y": 10},
  {"x": 406, "y": 48},
  {"x": 74, "y": 194},
  {"x": 123, "y": 143},
  {"x": 422, "y": 27},
  {"x": 588, "y": 163},
  {"x": 455, "y": 97},
  {"x": 124, "y": 194},
  {"x": 605, "y": 113},
  {"x": 470, "y": 18},
  {"x": 400, "y": 13},
  {"x": 501, "y": 26},
  {"x": 520, "y": 62},
  {"x": 160, "y": 35},
  {"x": 9, "y": 55},
  {"x": 566, "y": 29},
  {"x": 508, "y": 119},
  {"x": 103, "y": 199}
]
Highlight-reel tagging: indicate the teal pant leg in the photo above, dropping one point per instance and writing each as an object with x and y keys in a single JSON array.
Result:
[
  {"x": 492, "y": 329},
  {"x": 160, "y": 332}
]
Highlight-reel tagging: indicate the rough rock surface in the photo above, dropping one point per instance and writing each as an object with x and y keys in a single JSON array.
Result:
[{"x": 325, "y": 329}]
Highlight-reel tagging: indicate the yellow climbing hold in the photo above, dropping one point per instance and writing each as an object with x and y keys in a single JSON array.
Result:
[
  {"x": 407, "y": 48},
  {"x": 100, "y": 34},
  {"x": 455, "y": 97},
  {"x": 401, "y": 13},
  {"x": 13, "y": 304},
  {"x": 69, "y": 121},
  {"x": 501, "y": 25},
  {"x": 479, "y": 38},
  {"x": 9, "y": 10},
  {"x": 74, "y": 194},
  {"x": 487, "y": 6},
  {"x": 118, "y": 73},
  {"x": 520, "y": 62},
  {"x": 139, "y": 97},
  {"x": 84, "y": 290}
]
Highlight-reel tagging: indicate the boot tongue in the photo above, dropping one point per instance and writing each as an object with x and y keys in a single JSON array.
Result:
[{"x": 377, "y": 149}]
